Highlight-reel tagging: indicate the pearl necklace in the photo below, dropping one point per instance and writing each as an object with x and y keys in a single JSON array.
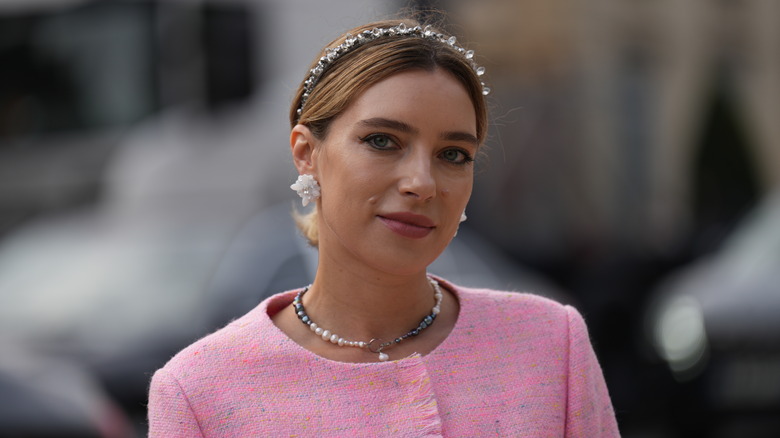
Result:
[{"x": 375, "y": 345}]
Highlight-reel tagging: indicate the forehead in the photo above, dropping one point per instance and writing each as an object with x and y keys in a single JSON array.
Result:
[{"x": 427, "y": 99}]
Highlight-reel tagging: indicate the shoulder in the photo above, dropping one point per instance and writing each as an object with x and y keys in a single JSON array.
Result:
[
  {"x": 241, "y": 343},
  {"x": 236, "y": 366},
  {"x": 517, "y": 312},
  {"x": 509, "y": 302}
]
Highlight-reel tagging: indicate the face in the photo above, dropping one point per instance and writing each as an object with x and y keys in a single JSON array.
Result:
[{"x": 396, "y": 172}]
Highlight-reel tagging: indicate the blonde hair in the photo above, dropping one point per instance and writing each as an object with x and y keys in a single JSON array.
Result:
[{"x": 356, "y": 71}]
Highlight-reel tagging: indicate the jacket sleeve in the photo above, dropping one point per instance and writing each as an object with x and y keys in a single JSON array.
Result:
[
  {"x": 170, "y": 414},
  {"x": 589, "y": 411}
]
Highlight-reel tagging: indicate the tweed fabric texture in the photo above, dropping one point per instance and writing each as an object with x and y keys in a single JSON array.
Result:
[{"x": 514, "y": 365}]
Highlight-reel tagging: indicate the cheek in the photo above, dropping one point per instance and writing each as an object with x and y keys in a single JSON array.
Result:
[
  {"x": 457, "y": 188},
  {"x": 349, "y": 181}
]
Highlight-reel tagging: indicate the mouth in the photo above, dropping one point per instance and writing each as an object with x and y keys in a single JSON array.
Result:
[{"x": 413, "y": 226}]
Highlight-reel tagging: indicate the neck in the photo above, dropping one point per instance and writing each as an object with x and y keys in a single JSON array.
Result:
[{"x": 366, "y": 305}]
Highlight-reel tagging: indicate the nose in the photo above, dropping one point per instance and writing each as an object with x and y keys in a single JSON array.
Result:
[{"x": 417, "y": 179}]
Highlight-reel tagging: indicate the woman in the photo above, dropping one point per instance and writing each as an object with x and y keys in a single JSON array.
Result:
[{"x": 385, "y": 128}]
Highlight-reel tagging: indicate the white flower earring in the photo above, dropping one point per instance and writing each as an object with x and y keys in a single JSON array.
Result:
[
  {"x": 307, "y": 188},
  {"x": 462, "y": 219}
]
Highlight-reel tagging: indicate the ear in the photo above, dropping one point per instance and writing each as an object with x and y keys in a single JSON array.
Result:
[{"x": 303, "y": 145}]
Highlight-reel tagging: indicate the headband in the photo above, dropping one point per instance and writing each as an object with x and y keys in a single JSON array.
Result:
[{"x": 352, "y": 42}]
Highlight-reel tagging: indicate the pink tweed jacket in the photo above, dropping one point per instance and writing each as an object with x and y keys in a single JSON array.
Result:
[{"x": 514, "y": 365}]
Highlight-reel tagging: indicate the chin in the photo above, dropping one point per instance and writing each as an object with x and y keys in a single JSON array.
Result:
[{"x": 403, "y": 262}]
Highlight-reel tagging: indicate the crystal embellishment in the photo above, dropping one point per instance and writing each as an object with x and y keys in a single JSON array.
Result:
[{"x": 351, "y": 42}]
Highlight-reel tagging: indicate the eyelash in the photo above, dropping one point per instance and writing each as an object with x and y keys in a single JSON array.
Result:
[
  {"x": 369, "y": 139},
  {"x": 466, "y": 157}
]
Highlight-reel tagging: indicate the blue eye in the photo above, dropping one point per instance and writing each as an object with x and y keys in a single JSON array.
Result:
[
  {"x": 379, "y": 141},
  {"x": 456, "y": 156}
]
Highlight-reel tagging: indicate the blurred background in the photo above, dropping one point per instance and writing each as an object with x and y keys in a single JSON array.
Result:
[{"x": 632, "y": 169}]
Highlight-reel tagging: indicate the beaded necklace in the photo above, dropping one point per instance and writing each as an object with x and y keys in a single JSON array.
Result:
[{"x": 375, "y": 345}]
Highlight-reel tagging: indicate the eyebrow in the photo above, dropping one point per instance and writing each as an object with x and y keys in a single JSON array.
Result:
[{"x": 381, "y": 122}]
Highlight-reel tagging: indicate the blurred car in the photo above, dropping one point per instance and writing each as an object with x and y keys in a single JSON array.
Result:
[
  {"x": 43, "y": 397},
  {"x": 717, "y": 326}
]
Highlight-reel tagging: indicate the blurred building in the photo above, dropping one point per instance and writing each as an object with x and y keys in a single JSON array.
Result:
[{"x": 625, "y": 125}]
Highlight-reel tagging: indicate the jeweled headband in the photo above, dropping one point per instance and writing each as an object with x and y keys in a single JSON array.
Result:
[{"x": 352, "y": 42}]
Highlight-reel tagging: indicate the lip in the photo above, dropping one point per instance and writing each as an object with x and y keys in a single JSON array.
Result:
[{"x": 407, "y": 224}]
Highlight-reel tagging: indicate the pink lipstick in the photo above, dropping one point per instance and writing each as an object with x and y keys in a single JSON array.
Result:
[{"x": 413, "y": 226}]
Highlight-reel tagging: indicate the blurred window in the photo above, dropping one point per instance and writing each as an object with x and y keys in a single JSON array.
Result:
[{"x": 113, "y": 63}]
